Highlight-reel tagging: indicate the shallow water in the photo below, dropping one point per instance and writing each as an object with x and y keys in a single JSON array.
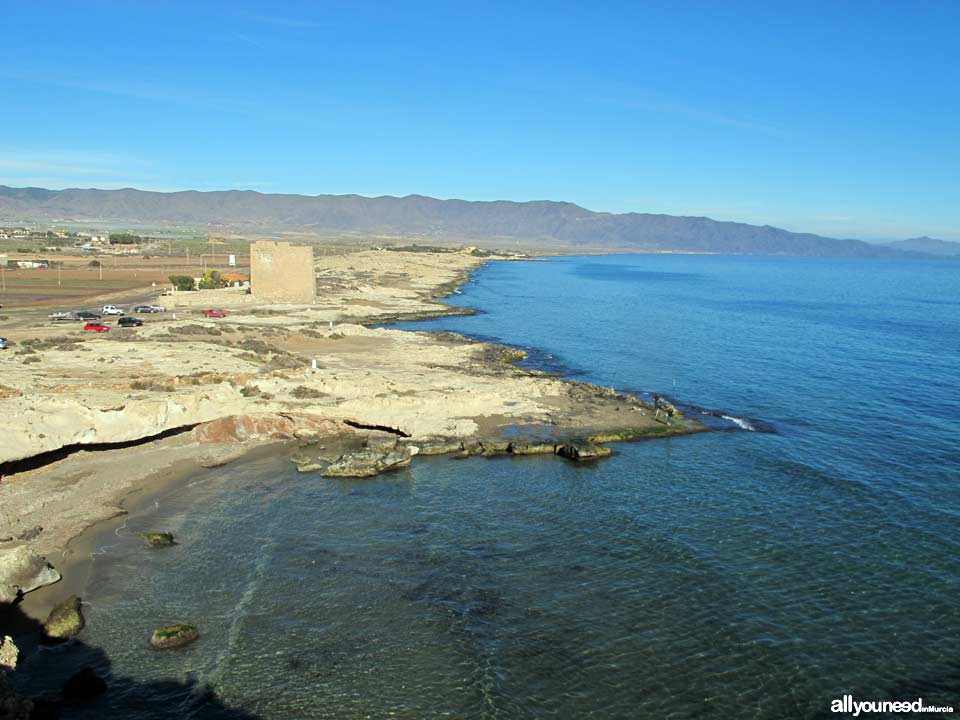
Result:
[{"x": 728, "y": 575}]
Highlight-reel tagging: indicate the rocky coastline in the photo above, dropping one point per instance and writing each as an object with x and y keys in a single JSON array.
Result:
[{"x": 98, "y": 420}]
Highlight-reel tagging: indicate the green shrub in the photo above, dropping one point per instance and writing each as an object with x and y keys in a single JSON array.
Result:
[{"x": 181, "y": 282}]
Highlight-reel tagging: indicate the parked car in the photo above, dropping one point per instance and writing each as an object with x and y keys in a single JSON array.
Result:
[
  {"x": 98, "y": 327},
  {"x": 112, "y": 310},
  {"x": 129, "y": 321},
  {"x": 61, "y": 316},
  {"x": 149, "y": 309},
  {"x": 84, "y": 315},
  {"x": 4, "y": 344},
  {"x": 214, "y": 313}
]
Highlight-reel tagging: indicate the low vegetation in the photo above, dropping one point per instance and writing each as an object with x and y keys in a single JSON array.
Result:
[{"x": 302, "y": 392}]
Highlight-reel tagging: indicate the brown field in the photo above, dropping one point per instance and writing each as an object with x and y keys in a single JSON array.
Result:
[{"x": 76, "y": 282}]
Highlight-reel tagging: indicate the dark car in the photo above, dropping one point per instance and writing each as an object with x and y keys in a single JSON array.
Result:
[
  {"x": 84, "y": 315},
  {"x": 129, "y": 321},
  {"x": 97, "y": 327}
]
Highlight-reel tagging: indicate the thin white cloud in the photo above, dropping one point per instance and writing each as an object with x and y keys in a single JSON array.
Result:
[{"x": 652, "y": 103}]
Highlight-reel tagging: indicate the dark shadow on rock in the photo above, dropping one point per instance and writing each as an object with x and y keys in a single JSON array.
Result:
[{"x": 43, "y": 676}]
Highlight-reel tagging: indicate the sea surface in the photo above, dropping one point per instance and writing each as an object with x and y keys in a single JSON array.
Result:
[{"x": 808, "y": 550}]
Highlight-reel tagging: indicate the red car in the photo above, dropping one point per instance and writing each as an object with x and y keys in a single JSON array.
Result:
[
  {"x": 96, "y": 327},
  {"x": 214, "y": 313}
]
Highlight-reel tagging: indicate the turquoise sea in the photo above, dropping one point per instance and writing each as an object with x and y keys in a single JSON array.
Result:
[{"x": 808, "y": 551}]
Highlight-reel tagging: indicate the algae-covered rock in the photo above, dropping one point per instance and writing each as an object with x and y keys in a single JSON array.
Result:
[
  {"x": 65, "y": 620},
  {"x": 495, "y": 447},
  {"x": 582, "y": 451},
  {"x": 158, "y": 539},
  {"x": 369, "y": 462},
  {"x": 174, "y": 636},
  {"x": 439, "y": 446},
  {"x": 533, "y": 448}
]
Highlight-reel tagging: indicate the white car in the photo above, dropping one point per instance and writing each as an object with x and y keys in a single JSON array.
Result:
[{"x": 112, "y": 310}]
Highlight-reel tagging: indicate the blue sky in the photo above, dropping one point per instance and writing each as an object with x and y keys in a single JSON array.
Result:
[{"x": 841, "y": 118}]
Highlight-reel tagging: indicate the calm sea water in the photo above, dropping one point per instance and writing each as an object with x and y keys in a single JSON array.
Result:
[{"x": 728, "y": 575}]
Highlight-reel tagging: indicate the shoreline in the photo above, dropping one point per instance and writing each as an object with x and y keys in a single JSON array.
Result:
[
  {"x": 164, "y": 463},
  {"x": 75, "y": 560}
]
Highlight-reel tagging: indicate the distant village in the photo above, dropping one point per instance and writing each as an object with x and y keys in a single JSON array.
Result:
[{"x": 122, "y": 243}]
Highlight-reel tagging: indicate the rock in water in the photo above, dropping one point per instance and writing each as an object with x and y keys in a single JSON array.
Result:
[
  {"x": 369, "y": 462},
  {"x": 65, "y": 620},
  {"x": 158, "y": 539},
  {"x": 8, "y": 654},
  {"x": 532, "y": 448},
  {"x": 84, "y": 684},
  {"x": 174, "y": 636},
  {"x": 582, "y": 451}
]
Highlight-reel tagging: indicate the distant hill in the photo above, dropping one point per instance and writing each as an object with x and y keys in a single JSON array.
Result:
[
  {"x": 416, "y": 215},
  {"x": 928, "y": 245}
]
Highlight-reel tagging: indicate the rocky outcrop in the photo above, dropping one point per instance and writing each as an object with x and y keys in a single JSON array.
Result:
[
  {"x": 437, "y": 446},
  {"x": 48, "y": 423},
  {"x": 22, "y": 571},
  {"x": 65, "y": 620},
  {"x": 582, "y": 451},
  {"x": 370, "y": 461},
  {"x": 174, "y": 636},
  {"x": 158, "y": 539},
  {"x": 532, "y": 448},
  {"x": 8, "y": 654},
  {"x": 268, "y": 426},
  {"x": 495, "y": 447}
]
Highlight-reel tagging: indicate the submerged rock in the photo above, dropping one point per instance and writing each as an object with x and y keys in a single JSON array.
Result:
[
  {"x": 12, "y": 705},
  {"x": 159, "y": 539},
  {"x": 174, "y": 636},
  {"x": 84, "y": 684},
  {"x": 582, "y": 451},
  {"x": 369, "y": 462},
  {"x": 65, "y": 620}
]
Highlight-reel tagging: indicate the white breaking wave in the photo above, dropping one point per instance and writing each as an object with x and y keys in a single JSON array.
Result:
[{"x": 739, "y": 422}]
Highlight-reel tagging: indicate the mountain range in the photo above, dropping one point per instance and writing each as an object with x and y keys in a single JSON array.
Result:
[
  {"x": 417, "y": 216},
  {"x": 928, "y": 245}
]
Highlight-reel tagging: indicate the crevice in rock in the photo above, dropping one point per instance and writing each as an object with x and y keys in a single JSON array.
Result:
[
  {"x": 43, "y": 459},
  {"x": 381, "y": 428}
]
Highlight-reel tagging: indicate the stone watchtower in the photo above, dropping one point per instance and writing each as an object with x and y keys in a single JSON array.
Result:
[{"x": 282, "y": 273}]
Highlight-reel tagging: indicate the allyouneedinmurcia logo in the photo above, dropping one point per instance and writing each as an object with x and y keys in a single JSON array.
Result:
[{"x": 847, "y": 704}]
